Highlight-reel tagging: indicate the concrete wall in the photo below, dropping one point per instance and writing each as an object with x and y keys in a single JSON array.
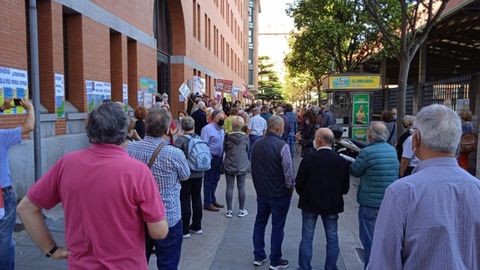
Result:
[{"x": 21, "y": 157}]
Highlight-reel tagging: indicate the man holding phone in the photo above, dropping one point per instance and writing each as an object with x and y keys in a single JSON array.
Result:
[{"x": 8, "y": 198}]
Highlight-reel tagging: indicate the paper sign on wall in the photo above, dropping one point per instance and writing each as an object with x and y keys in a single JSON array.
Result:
[
  {"x": 13, "y": 84},
  {"x": 60, "y": 95},
  {"x": 125, "y": 96},
  {"x": 198, "y": 85},
  {"x": 97, "y": 92}
]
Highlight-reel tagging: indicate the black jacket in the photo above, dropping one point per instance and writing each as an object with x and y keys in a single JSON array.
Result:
[
  {"x": 322, "y": 180},
  {"x": 200, "y": 118}
]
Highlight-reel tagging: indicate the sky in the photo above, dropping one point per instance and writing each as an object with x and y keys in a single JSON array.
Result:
[{"x": 274, "y": 20}]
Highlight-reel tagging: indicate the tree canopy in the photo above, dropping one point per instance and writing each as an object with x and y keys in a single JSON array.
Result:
[{"x": 269, "y": 84}]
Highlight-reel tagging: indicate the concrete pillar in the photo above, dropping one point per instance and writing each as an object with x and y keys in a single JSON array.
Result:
[
  {"x": 422, "y": 74},
  {"x": 474, "y": 96}
]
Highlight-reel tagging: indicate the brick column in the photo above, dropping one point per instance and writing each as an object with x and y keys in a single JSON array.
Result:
[
  {"x": 132, "y": 73},
  {"x": 76, "y": 76},
  {"x": 118, "y": 65}
]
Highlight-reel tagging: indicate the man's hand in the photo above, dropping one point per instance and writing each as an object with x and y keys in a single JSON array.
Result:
[
  {"x": 26, "y": 104},
  {"x": 60, "y": 254}
]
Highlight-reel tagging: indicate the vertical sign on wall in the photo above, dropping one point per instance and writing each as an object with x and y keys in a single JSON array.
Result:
[
  {"x": 13, "y": 84},
  {"x": 60, "y": 95},
  {"x": 97, "y": 92},
  {"x": 125, "y": 97}
]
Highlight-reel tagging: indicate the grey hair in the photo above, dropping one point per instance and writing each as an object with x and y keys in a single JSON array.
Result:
[
  {"x": 107, "y": 124},
  {"x": 237, "y": 123},
  {"x": 274, "y": 122},
  {"x": 409, "y": 120},
  {"x": 440, "y": 128},
  {"x": 201, "y": 105},
  {"x": 187, "y": 123},
  {"x": 378, "y": 131},
  {"x": 157, "y": 122}
]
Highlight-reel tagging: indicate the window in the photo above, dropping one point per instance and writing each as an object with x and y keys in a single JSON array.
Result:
[
  {"x": 194, "y": 18},
  {"x": 206, "y": 30},
  {"x": 209, "y": 34},
  {"x": 198, "y": 22}
]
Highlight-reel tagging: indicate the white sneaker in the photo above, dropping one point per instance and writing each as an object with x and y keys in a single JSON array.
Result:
[
  {"x": 186, "y": 236},
  {"x": 229, "y": 213},
  {"x": 196, "y": 232},
  {"x": 242, "y": 213}
]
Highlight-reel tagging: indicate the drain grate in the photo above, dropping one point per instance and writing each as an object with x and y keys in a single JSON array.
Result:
[{"x": 360, "y": 254}]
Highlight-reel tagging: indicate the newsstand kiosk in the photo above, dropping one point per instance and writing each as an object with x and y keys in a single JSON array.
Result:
[{"x": 349, "y": 96}]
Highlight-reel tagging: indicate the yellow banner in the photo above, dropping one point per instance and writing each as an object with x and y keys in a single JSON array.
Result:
[{"x": 354, "y": 82}]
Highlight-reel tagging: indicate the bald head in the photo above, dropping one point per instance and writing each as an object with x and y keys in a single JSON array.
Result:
[{"x": 324, "y": 137}]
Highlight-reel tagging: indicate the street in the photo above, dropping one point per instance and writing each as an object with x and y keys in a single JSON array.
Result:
[{"x": 225, "y": 243}]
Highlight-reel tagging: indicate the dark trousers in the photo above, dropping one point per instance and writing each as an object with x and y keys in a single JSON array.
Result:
[
  {"x": 278, "y": 208},
  {"x": 191, "y": 201},
  {"x": 210, "y": 181},
  {"x": 253, "y": 139},
  {"x": 167, "y": 250}
]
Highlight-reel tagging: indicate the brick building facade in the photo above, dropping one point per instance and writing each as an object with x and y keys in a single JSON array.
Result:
[{"x": 119, "y": 42}]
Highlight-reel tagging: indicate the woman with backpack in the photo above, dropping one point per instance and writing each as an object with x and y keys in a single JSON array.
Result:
[
  {"x": 236, "y": 164},
  {"x": 191, "y": 189}
]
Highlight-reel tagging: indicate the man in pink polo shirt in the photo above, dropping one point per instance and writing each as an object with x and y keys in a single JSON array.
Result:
[{"x": 107, "y": 198}]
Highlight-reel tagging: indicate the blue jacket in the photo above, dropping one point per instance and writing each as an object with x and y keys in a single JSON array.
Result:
[{"x": 377, "y": 166}]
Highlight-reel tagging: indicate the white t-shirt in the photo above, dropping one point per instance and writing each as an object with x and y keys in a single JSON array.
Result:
[{"x": 408, "y": 152}]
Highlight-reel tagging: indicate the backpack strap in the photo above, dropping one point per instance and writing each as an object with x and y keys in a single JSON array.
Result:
[
  {"x": 155, "y": 154},
  {"x": 393, "y": 130}
]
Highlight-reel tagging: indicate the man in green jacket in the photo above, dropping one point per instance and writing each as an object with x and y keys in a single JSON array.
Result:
[{"x": 377, "y": 166}]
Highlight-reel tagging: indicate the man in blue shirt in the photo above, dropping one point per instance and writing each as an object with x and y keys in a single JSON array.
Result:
[
  {"x": 8, "y": 138},
  {"x": 430, "y": 219},
  {"x": 214, "y": 135}
]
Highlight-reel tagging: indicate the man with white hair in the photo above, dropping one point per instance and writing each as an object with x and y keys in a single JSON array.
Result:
[
  {"x": 200, "y": 117},
  {"x": 430, "y": 219},
  {"x": 377, "y": 166}
]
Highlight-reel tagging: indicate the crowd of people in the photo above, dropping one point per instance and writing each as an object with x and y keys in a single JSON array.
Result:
[{"x": 142, "y": 180}]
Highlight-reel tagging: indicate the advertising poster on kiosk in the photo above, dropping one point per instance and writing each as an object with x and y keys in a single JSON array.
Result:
[
  {"x": 361, "y": 109},
  {"x": 359, "y": 133}
]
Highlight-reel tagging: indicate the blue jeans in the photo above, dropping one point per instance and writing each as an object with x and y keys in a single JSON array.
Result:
[
  {"x": 253, "y": 139},
  {"x": 7, "y": 223},
  {"x": 366, "y": 221},
  {"x": 168, "y": 250},
  {"x": 210, "y": 181},
  {"x": 278, "y": 208},
  {"x": 330, "y": 224}
]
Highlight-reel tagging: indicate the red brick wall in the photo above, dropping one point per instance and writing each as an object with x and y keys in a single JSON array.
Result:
[
  {"x": 137, "y": 13},
  {"x": 13, "y": 48},
  {"x": 132, "y": 56},
  {"x": 76, "y": 77},
  {"x": 96, "y": 50}
]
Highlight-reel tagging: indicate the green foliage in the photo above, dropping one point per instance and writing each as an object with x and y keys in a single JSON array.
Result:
[
  {"x": 298, "y": 87},
  {"x": 269, "y": 84},
  {"x": 330, "y": 30}
]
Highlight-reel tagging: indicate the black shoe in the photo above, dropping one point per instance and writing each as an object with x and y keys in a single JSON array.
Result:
[
  {"x": 282, "y": 264},
  {"x": 211, "y": 208},
  {"x": 218, "y": 205}
]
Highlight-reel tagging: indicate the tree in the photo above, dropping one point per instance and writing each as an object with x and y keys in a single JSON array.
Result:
[
  {"x": 404, "y": 25},
  {"x": 340, "y": 30},
  {"x": 268, "y": 82},
  {"x": 331, "y": 36},
  {"x": 298, "y": 87}
]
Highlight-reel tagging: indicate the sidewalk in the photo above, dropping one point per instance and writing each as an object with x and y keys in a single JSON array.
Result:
[{"x": 225, "y": 243}]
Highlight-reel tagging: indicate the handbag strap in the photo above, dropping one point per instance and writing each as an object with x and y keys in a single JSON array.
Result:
[
  {"x": 155, "y": 154},
  {"x": 391, "y": 134}
]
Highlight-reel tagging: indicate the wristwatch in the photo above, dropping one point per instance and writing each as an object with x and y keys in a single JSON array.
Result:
[{"x": 50, "y": 253}]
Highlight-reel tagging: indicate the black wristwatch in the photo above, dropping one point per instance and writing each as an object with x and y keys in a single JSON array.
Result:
[{"x": 50, "y": 253}]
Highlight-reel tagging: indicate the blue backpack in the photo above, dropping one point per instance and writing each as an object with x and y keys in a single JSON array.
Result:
[{"x": 199, "y": 156}]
